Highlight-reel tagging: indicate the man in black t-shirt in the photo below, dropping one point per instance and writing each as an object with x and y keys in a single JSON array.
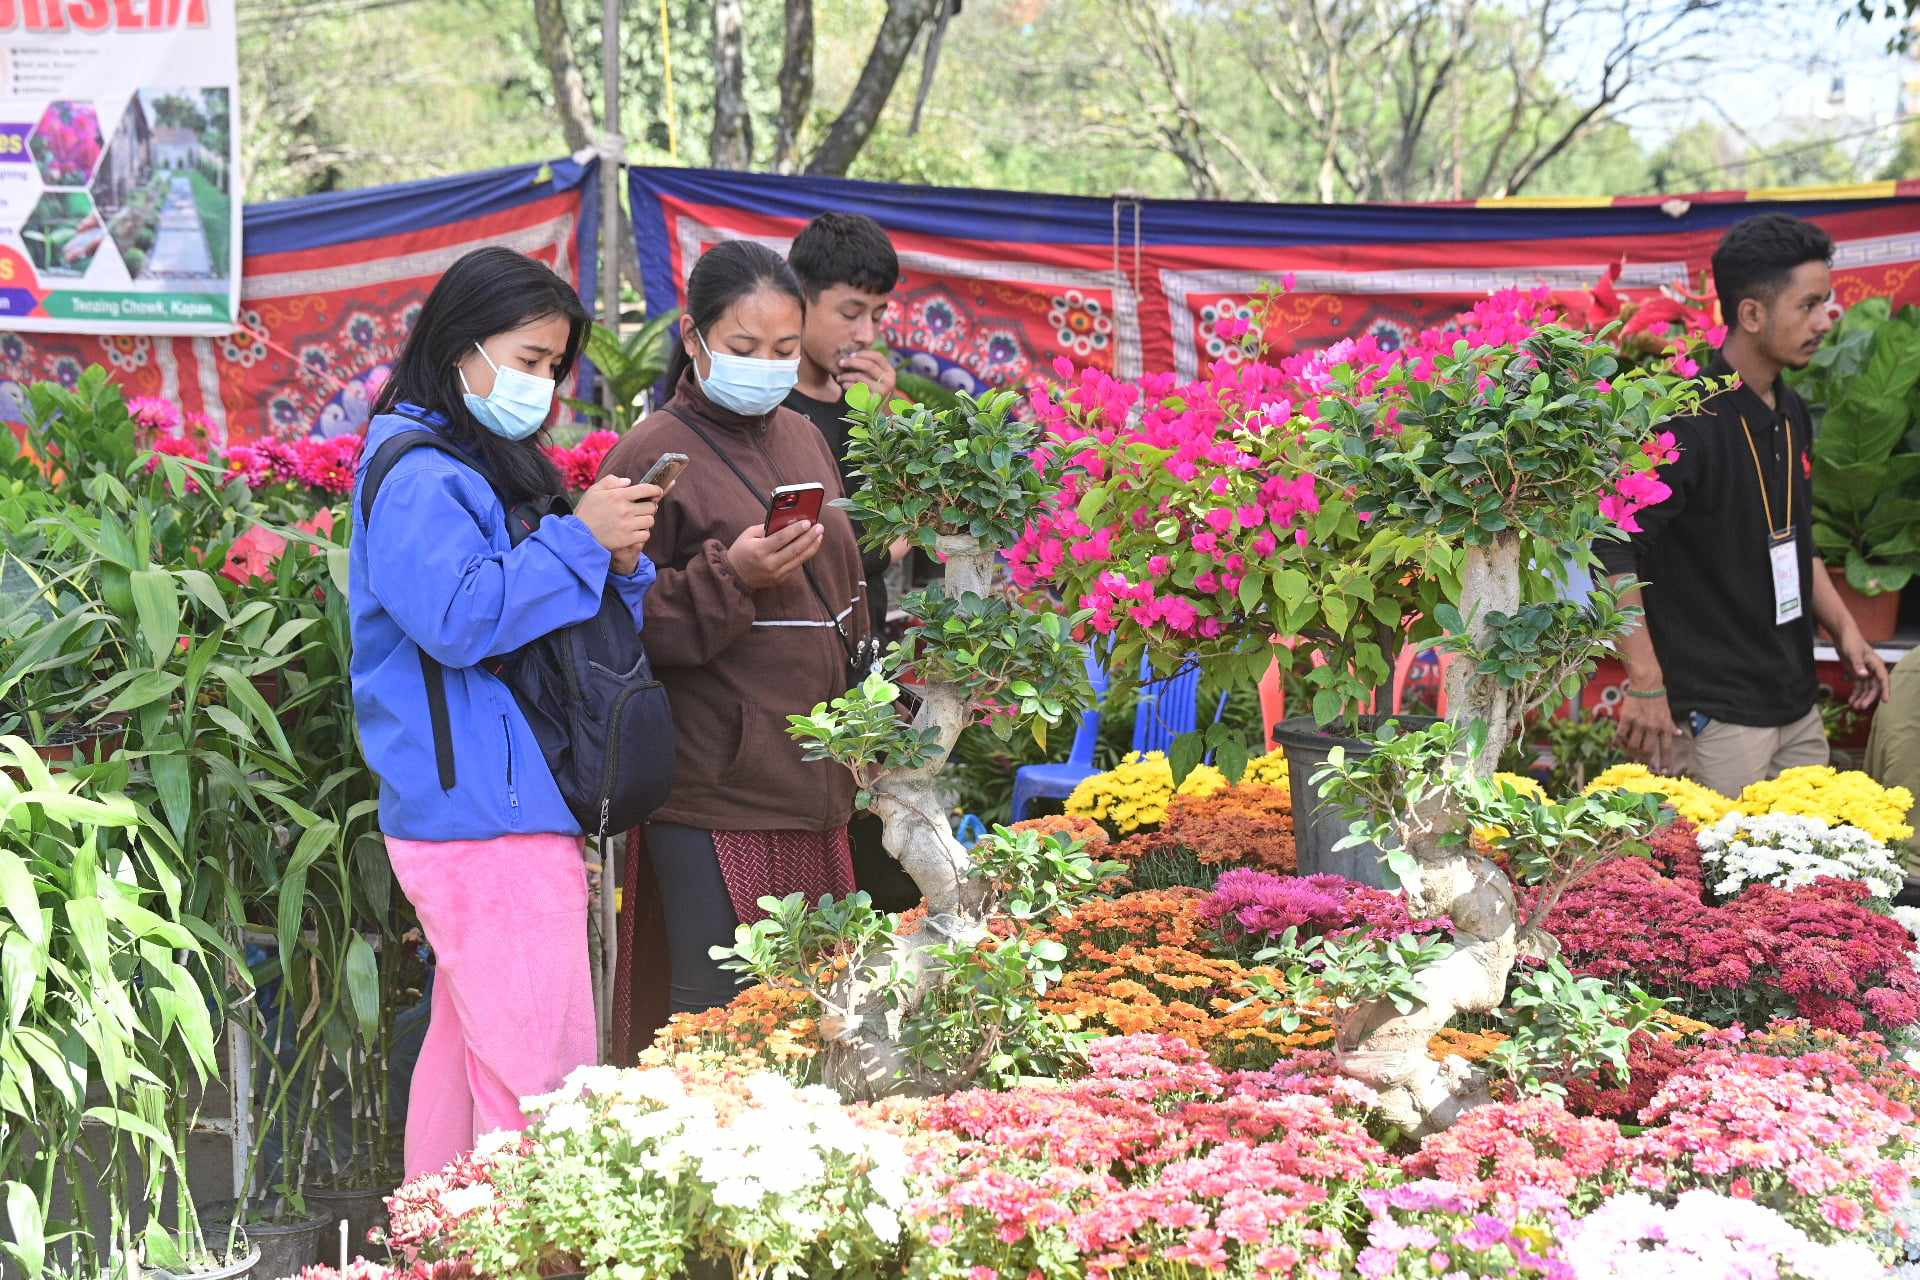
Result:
[
  {"x": 848, "y": 268},
  {"x": 1720, "y": 680}
]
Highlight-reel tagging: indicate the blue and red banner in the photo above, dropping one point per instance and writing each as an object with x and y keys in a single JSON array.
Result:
[
  {"x": 331, "y": 284},
  {"x": 996, "y": 284}
]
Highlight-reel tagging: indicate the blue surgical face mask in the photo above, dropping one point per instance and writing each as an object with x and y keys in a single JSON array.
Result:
[
  {"x": 745, "y": 385},
  {"x": 518, "y": 404}
]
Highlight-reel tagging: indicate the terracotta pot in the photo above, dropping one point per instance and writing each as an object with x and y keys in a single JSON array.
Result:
[
  {"x": 88, "y": 744},
  {"x": 1877, "y": 616}
]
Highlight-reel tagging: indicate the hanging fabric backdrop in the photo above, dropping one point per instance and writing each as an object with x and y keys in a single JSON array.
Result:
[
  {"x": 331, "y": 286},
  {"x": 996, "y": 284}
]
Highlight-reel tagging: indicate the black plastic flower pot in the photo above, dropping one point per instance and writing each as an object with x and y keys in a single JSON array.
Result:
[{"x": 1317, "y": 825}]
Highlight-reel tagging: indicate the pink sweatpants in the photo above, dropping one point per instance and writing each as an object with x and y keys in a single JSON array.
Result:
[{"x": 512, "y": 993}]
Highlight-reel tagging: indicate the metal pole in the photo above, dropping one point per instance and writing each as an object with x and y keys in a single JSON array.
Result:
[
  {"x": 612, "y": 172},
  {"x": 612, "y": 164}
]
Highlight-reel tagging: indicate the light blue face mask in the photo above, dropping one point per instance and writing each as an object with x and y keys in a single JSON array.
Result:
[
  {"x": 745, "y": 385},
  {"x": 518, "y": 404}
]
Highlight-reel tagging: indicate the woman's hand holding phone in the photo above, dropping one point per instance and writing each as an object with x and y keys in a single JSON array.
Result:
[
  {"x": 619, "y": 514},
  {"x": 761, "y": 559}
]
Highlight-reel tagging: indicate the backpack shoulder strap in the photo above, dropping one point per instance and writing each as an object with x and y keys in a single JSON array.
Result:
[
  {"x": 686, "y": 420},
  {"x": 431, "y": 672},
  {"x": 388, "y": 453}
]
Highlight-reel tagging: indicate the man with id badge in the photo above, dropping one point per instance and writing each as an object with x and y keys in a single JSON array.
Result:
[{"x": 1720, "y": 678}]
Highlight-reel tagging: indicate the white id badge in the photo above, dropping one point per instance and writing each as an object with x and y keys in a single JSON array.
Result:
[{"x": 1785, "y": 555}]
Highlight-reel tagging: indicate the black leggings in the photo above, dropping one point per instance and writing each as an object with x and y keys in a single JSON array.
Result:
[{"x": 699, "y": 915}]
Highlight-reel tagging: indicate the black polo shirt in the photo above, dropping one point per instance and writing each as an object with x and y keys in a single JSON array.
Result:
[
  {"x": 831, "y": 418},
  {"x": 1703, "y": 554}
]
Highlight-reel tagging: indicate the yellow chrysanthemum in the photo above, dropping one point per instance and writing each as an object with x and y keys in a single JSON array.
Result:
[
  {"x": 1699, "y": 805},
  {"x": 1269, "y": 770},
  {"x": 1135, "y": 794},
  {"x": 1525, "y": 784},
  {"x": 1819, "y": 791}
]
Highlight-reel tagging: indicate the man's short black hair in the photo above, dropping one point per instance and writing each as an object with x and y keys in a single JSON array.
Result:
[
  {"x": 844, "y": 248},
  {"x": 1759, "y": 253}
]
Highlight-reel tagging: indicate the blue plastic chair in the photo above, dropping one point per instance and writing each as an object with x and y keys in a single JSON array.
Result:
[
  {"x": 1165, "y": 710},
  {"x": 971, "y": 831},
  {"x": 1056, "y": 781}
]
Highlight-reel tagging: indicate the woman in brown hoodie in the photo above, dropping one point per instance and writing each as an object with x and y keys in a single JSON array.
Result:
[{"x": 744, "y": 629}]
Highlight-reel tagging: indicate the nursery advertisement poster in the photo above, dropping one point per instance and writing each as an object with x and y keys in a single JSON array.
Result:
[{"x": 119, "y": 175}]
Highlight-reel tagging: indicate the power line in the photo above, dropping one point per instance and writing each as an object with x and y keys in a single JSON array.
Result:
[{"x": 1734, "y": 165}]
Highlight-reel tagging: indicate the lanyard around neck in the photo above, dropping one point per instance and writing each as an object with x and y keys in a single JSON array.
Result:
[{"x": 1759, "y": 474}]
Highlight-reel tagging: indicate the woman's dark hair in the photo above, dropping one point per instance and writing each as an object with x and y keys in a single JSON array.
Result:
[
  {"x": 489, "y": 291},
  {"x": 726, "y": 273}
]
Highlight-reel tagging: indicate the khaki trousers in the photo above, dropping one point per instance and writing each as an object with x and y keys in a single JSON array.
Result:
[{"x": 1732, "y": 757}]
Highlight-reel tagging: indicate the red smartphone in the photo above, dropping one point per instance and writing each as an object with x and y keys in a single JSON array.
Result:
[{"x": 792, "y": 503}]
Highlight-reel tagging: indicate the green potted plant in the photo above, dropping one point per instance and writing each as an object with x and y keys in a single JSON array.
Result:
[
  {"x": 959, "y": 484},
  {"x": 629, "y": 366},
  {"x": 106, "y": 1020},
  {"x": 1496, "y": 458},
  {"x": 1866, "y": 462}
]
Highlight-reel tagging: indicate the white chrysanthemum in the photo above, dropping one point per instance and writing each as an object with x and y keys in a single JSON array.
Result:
[
  {"x": 1707, "y": 1235},
  {"x": 463, "y": 1200},
  {"x": 738, "y": 1193},
  {"x": 1791, "y": 851},
  {"x": 883, "y": 1222}
]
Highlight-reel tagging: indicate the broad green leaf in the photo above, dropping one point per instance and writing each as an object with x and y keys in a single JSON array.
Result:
[
  {"x": 159, "y": 1144},
  {"x": 89, "y": 925},
  {"x": 288, "y": 914},
  {"x": 65, "y": 1073},
  {"x": 20, "y": 969},
  {"x": 20, "y": 898},
  {"x": 363, "y": 985},
  {"x": 1185, "y": 755},
  {"x": 26, "y": 1239},
  {"x": 158, "y": 606},
  {"x": 144, "y": 690},
  {"x": 201, "y": 586},
  {"x": 173, "y": 780},
  {"x": 240, "y": 690}
]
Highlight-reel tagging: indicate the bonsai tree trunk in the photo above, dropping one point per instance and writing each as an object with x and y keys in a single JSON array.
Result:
[
  {"x": 1389, "y": 1050},
  {"x": 863, "y": 1057}
]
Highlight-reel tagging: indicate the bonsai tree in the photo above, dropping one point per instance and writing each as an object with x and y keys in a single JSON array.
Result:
[
  {"x": 959, "y": 482},
  {"x": 1456, "y": 485}
]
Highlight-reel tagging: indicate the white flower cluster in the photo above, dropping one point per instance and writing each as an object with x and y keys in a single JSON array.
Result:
[
  {"x": 1789, "y": 851},
  {"x": 775, "y": 1161},
  {"x": 1704, "y": 1236}
]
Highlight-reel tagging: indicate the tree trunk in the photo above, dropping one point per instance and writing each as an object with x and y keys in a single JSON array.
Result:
[
  {"x": 891, "y": 47},
  {"x": 861, "y": 1023},
  {"x": 563, "y": 66},
  {"x": 731, "y": 146},
  {"x": 796, "y": 85},
  {"x": 1489, "y": 584},
  {"x": 929, "y": 64},
  {"x": 1389, "y": 1048}
]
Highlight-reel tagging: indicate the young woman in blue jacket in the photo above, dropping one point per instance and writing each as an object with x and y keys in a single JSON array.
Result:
[{"x": 492, "y": 863}]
